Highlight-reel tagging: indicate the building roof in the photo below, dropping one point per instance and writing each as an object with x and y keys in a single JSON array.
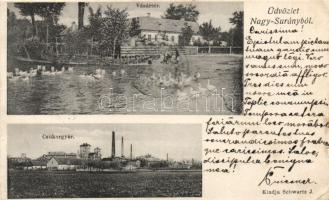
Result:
[
  {"x": 39, "y": 162},
  {"x": 56, "y": 153},
  {"x": 114, "y": 159},
  {"x": 85, "y": 145},
  {"x": 165, "y": 25},
  {"x": 68, "y": 161}
]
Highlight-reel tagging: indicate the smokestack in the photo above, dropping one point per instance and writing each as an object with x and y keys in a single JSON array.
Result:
[
  {"x": 167, "y": 157},
  {"x": 131, "y": 151},
  {"x": 113, "y": 144},
  {"x": 122, "y": 154}
]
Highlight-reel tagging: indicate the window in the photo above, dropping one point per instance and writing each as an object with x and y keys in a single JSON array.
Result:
[
  {"x": 193, "y": 39},
  {"x": 156, "y": 37},
  {"x": 149, "y": 37},
  {"x": 173, "y": 38}
]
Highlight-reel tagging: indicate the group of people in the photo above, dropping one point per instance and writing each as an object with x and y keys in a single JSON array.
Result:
[{"x": 169, "y": 57}]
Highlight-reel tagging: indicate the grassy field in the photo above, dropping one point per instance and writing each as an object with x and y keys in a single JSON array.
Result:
[{"x": 44, "y": 184}]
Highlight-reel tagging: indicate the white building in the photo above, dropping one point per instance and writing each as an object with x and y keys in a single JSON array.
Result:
[
  {"x": 132, "y": 165},
  {"x": 62, "y": 164},
  {"x": 167, "y": 31}
]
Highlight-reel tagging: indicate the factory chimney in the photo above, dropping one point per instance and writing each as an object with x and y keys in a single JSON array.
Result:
[
  {"x": 113, "y": 144},
  {"x": 122, "y": 154},
  {"x": 131, "y": 151},
  {"x": 167, "y": 157}
]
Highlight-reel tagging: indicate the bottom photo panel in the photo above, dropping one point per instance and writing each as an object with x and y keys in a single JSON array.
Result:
[{"x": 104, "y": 160}]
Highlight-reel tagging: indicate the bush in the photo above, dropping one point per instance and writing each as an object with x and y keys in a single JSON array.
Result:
[{"x": 34, "y": 48}]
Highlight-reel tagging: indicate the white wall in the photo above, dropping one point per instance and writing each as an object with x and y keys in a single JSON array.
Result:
[
  {"x": 52, "y": 163},
  {"x": 170, "y": 36}
]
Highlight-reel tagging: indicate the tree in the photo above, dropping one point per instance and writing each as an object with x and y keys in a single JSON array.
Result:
[
  {"x": 18, "y": 30},
  {"x": 76, "y": 42},
  {"x": 28, "y": 9},
  {"x": 237, "y": 19},
  {"x": 237, "y": 31},
  {"x": 114, "y": 29},
  {"x": 208, "y": 31},
  {"x": 11, "y": 19},
  {"x": 81, "y": 13},
  {"x": 134, "y": 27},
  {"x": 188, "y": 12},
  {"x": 49, "y": 28},
  {"x": 95, "y": 23},
  {"x": 227, "y": 37},
  {"x": 50, "y": 12},
  {"x": 186, "y": 35},
  {"x": 94, "y": 28}
]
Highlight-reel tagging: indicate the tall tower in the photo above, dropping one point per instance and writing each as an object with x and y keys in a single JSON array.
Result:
[
  {"x": 97, "y": 152},
  {"x": 84, "y": 150},
  {"x": 122, "y": 147},
  {"x": 113, "y": 144},
  {"x": 131, "y": 151}
]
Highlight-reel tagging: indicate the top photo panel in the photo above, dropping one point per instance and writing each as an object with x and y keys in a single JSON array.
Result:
[{"x": 166, "y": 58}]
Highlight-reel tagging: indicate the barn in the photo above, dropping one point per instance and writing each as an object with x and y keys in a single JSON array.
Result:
[{"x": 63, "y": 164}]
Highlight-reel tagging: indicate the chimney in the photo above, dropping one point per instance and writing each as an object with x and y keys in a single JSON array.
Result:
[
  {"x": 131, "y": 151},
  {"x": 167, "y": 157},
  {"x": 148, "y": 14},
  {"x": 122, "y": 154},
  {"x": 113, "y": 144}
]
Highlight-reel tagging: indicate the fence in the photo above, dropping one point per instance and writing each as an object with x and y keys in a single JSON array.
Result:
[
  {"x": 154, "y": 50},
  {"x": 218, "y": 49},
  {"x": 150, "y": 51},
  {"x": 187, "y": 50}
]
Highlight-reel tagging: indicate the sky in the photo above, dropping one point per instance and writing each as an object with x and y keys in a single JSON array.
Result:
[
  {"x": 180, "y": 141},
  {"x": 218, "y": 12}
]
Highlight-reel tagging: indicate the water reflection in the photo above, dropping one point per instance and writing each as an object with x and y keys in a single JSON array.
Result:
[{"x": 139, "y": 90}]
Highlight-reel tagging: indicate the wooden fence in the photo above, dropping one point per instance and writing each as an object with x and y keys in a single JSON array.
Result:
[
  {"x": 187, "y": 50},
  {"x": 218, "y": 49}
]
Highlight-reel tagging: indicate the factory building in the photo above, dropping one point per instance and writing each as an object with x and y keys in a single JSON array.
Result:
[
  {"x": 96, "y": 155},
  {"x": 57, "y": 154},
  {"x": 88, "y": 160},
  {"x": 116, "y": 159},
  {"x": 85, "y": 153},
  {"x": 122, "y": 162}
]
